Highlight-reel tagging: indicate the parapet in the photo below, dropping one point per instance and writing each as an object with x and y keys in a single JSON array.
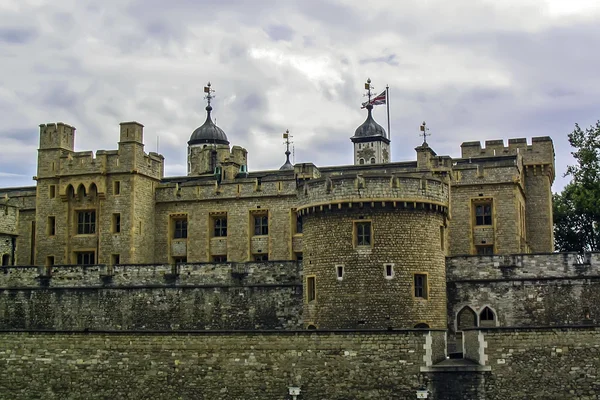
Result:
[
  {"x": 57, "y": 135},
  {"x": 540, "y": 151}
]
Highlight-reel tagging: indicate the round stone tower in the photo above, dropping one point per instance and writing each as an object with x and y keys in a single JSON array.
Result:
[{"x": 374, "y": 251}]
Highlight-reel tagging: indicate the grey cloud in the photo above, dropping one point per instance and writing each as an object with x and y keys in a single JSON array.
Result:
[
  {"x": 18, "y": 35},
  {"x": 279, "y": 32},
  {"x": 389, "y": 59}
]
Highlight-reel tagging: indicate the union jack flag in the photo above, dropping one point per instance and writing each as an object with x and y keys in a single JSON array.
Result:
[{"x": 377, "y": 100}]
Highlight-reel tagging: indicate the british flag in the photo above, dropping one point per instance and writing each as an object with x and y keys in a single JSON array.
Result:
[{"x": 377, "y": 100}]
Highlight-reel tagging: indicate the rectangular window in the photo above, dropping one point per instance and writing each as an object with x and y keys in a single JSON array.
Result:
[
  {"x": 299, "y": 226},
  {"x": 261, "y": 257},
  {"x": 311, "y": 289},
  {"x": 117, "y": 188},
  {"x": 388, "y": 270},
  {"x": 442, "y": 239},
  {"x": 86, "y": 222},
  {"x": 420, "y": 284},
  {"x": 116, "y": 223},
  {"x": 179, "y": 260},
  {"x": 362, "y": 233},
  {"x": 219, "y": 259},
  {"x": 483, "y": 213},
  {"x": 52, "y": 191},
  {"x": 50, "y": 260},
  {"x": 51, "y": 226},
  {"x": 220, "y": 226},
  {"x": 339, "y": 272},
  {"x": 298, "y": 256},
  {"x": 261, "y": 225},
  {"x": 485, "y": 250},
  {"x": 180, "y": 228},
  {"x": 86, "y": 258},
  {"x": 116, "y": 259}
]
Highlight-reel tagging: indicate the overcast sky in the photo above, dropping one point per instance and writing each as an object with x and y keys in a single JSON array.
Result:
[{"x": 474, "y": 70}]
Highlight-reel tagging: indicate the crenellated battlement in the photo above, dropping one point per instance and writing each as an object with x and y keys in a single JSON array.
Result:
[
  {"x": 360, "y": 189},
  {"x": 540, "y": 151}
]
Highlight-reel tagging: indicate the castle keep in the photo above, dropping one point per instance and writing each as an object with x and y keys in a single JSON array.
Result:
[{"x": 353, "y": 281}]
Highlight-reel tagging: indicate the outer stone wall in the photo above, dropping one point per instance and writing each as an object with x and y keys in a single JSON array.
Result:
[
  {"x": 215, "y": 366},
  {"x": 539, "y": 363},
  {"x": 527, "y": 289},
  {"x": 147, "y": 297}
]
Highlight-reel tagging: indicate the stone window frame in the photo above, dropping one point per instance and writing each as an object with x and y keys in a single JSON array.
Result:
[
  {"x": 116, "y": 223},
  {"x": 85, "y": 227},
  {"x": 481, "y": 221},
  {"x": 50, "y": 260},
  {"x": 178, "y": 232},
  {"x": 458, "y": 313},
  {"x": 355, "y": 233},
  {"x": 389, "y": 271},
  {"x": 51, "y": 225},
  {"x": 361, "y": 161},
  {"x": 340, "y": 272},
  {"x": 260, "y": 257},
  {"x": 115, "y": 259},
  {"x": 492, "y": 310},
  {"x": 311, "y": 288},
  {"x": 81, "y": 257},
  {"x": 52, "y": 191},
  {"x": 372, "y": 160},
  {"x": 218, "y": 258},
  {"x": 218, "y": 231},
  {"x": 264, "y": 227},
  {"x": 297, "y": 223},
  {"x": 482, "y": 250},
  {"x": 116, "y": 188},
  {"x": 425, "y": 288}
]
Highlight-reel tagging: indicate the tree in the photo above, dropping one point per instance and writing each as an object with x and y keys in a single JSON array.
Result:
[{"x": 577, "y": 207}]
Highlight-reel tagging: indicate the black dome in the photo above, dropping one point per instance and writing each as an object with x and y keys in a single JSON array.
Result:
[
  {"x": 369, "y": 128},
  {"x": 287, "y": 166},
  {"x": 208, "y": 132}
]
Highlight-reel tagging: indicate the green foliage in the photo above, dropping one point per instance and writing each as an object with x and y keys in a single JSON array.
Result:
[{"x": 577, "y": 207}]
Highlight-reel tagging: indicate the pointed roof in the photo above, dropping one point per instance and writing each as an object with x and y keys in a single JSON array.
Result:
[
  {"x": 208, "y": 132},
  {"x": 369, "y": 129}
]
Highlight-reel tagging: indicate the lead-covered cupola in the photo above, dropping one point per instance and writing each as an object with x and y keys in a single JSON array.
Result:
[{"x": 371, "y": 142}]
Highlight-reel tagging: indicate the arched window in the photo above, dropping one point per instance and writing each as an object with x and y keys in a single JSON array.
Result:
[
  {"x": 93, "y": 190},
  {"x": 70, "y": 192},
  {"x": 422, "y": 325},
  {"x": 487, "y": 317},
  {"x": 466, "y": 318},
  {"x": 361, "y": 161},
  {"x": 372, "y": 160},
  {"x": 81, "y": 191},
  {"x": 5, "y": 259},
  {"x": 311, "y": 327}
]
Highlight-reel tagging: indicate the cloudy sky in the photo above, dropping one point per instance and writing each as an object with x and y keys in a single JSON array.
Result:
[{"x": 474, "y": 70}]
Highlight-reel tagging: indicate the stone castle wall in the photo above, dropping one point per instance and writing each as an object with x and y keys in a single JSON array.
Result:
[
  {"x": 219, "y": 365},
  {"x": 149, "y": 297},
  {"x": 526, "y": 289},
  {"x": 536, "y": 363}
]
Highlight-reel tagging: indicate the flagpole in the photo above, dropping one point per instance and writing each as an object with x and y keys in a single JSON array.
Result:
[{"x": 387, "y": 102}]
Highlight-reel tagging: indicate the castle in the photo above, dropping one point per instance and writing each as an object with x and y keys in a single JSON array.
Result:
[{"x": 415, "y": 259}]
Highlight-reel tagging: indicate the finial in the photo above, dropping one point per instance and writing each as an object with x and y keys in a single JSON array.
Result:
[
  {"x": 424, "y": 129},
  {"x": 368, "y": 88},
  {"x": 209, "y": 96},
  {"x": 287, "y": 143}
]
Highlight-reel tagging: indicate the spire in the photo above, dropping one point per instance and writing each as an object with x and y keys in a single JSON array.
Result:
[
  {"x": 288, "y": 165},
  {"x": 370, "y": 128},
  {"x": 209, "y": 132}
]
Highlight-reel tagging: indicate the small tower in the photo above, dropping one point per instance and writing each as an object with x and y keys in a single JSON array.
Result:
[
  {"x": 371, "y": 144},
  {"x": 288, "y": 165},
  {"x": 208, "y": 146}
]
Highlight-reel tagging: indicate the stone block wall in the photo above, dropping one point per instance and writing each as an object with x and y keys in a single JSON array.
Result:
[
  {"x": 526, "y": 289},
  {"x": 538, "y": 363},
  {"x": 215, "y": 366},
  {"x": 151, "y": 297}
]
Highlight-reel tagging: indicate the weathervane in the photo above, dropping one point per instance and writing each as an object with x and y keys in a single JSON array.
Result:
[
  {"x": 208, "y": 92},
  {"x": 287, "y": 143},
  {"x": 368, "y": 88},
  {"x": 424, "y": 129}
]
